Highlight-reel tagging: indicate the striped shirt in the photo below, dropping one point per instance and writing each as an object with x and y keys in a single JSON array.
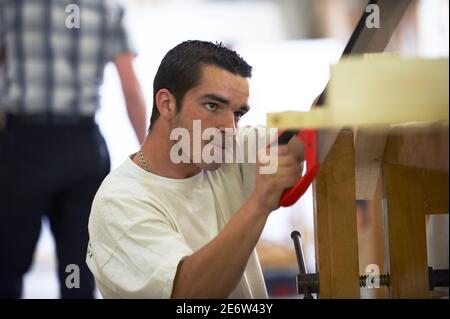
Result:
[{"x": 56, "y": 51}]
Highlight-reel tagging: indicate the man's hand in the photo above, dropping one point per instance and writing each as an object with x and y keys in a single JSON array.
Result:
[{"x": 270, "y": 187}]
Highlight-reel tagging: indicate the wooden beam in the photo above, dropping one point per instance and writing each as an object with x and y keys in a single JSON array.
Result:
[
  {"x": 335, "y": 222},
  {"x": 415, "y": 173},
  {"x": 406, "y": 231},
  {"x": 419, "y": 146},
  {"x": 435, "y": 192},
  {"x": 369, "y": 151},
  {"x": 377, "y": 90}
]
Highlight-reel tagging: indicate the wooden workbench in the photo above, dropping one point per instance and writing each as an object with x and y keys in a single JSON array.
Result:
[
  {"x": 414, "y": 174},
  {"x": 397, "y": 158}
]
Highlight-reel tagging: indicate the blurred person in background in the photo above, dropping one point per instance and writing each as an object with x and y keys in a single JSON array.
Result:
[{"x": 52, "y": 154}]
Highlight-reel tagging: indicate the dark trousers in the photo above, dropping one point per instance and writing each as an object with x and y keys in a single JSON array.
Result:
[{"x": 52, "y": 170}]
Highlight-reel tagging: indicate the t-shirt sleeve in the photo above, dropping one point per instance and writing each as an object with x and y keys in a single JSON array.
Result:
[
  {"x": 119, "y": 40},
  {"x": 144, "y": 260}
]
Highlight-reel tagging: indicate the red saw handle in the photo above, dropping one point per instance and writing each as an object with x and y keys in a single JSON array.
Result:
[{"x": 309, "y": 139}]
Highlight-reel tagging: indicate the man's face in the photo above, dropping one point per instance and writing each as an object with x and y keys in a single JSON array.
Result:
[{"x": 218, "y": 102}]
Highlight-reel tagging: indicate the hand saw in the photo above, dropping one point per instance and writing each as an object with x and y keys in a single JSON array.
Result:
[{"x": 317, "y": 143}]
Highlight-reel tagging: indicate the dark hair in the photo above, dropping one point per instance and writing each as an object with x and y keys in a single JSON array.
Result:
[{"x": 180, "y": 69}]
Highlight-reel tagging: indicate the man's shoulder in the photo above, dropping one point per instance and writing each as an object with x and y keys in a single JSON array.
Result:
[
  {"x": 121, "y": 187},
  {"x": 123, "y": 201},
  {"x": 119, "y": 179}
]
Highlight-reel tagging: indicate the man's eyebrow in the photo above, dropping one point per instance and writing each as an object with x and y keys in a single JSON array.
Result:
[
  {"x": 224, "y": 101},
  {"x": 216, "y": 98}
]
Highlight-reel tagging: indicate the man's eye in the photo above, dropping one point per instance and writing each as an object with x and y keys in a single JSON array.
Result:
[{"x": 211, "y": 106}]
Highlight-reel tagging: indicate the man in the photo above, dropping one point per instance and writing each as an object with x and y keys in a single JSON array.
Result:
[
  {"x": 162, "y": 228},
  {"x": 52, "y": 155}
]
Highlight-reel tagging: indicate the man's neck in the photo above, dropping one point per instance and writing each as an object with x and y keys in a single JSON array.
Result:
[{"x": 156, "y": 149}]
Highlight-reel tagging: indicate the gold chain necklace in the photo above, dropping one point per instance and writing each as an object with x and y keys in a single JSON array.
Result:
[{"x": 142, "y": 160}]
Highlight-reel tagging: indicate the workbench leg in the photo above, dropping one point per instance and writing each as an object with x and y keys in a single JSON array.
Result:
[
  {"x": 406, "y": 231},
  {"x": 336, "y": 239},
  {"x": 410, "y": 194}
]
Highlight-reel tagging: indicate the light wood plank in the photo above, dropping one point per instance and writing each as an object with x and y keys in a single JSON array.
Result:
[
  {"x": 419, "y": 146},
  {"x": 436, "y": 192},
  {"x": 369, "y": 151},
  {"x": 377, "y": 90},
  {"x": 406, "y": 232},
  {"x": 335, "y": 222}
]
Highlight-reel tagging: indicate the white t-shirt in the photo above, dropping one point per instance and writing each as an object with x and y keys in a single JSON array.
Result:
[{"x": 142, "y": 225}]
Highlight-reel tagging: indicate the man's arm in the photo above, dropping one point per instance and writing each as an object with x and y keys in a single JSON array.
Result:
[
  {"x": 214, "y": 270},
  {"x": 134, "y": 98}
]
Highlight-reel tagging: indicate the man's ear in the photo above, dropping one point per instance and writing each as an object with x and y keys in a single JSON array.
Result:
[{"x": 166, "y": 104}]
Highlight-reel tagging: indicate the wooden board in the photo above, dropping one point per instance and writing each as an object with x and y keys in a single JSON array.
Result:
[
  {"x": 406, "y": 232},
  {"x": 415, "y": 184},
  {"x": 420, "y": 146},
  {"x": 378, "y": 90},
  {"x": 335, "y": 222},
  {"x": 369, "y": 151}
]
